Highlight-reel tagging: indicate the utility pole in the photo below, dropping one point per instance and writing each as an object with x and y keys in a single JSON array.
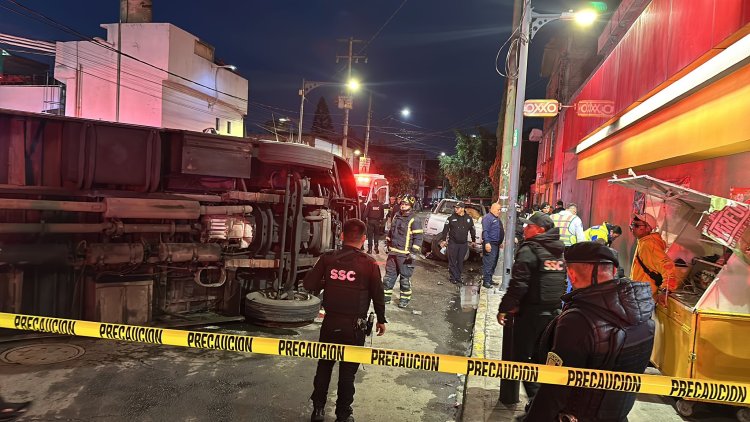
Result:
[
  {"x": 509, "y": 390},
  {"x": 507, "y": 202},
  {"x": 367, "y": 132},
  {"x": 348, "y": 104}
]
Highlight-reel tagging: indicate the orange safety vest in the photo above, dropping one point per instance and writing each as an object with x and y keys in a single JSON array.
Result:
[{"x": 562, "y": 222}]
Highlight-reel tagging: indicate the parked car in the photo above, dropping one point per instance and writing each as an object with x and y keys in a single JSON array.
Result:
[{"x": 435, "y": 222}]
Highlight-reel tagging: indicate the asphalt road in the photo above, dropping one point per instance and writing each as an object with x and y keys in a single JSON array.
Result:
[{"x": 115, "y": 381}]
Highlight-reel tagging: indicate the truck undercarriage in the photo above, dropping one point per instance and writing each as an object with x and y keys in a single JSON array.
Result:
[{"x": 123, "y": 223}]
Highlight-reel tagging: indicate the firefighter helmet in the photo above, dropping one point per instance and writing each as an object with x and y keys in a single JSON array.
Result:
[{"x": 408, "y": 199}]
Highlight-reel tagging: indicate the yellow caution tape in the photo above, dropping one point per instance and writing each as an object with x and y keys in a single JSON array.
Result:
[{"x": 704, "y": 390}]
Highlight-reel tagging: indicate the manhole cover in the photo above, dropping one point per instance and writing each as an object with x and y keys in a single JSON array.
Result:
[{"x": 42, "y": 354}]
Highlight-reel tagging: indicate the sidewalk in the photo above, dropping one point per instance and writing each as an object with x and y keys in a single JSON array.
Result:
[{"x": 482, "y": 393}]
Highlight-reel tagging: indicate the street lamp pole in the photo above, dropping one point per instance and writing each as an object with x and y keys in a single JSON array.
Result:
[
  {"x": 530, "y": 24},
  {"x": 302, "y": 94}
]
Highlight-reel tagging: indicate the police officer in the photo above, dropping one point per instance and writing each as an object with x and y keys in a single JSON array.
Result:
[
  {"x": 404, "y": 238},
  {"x": 374, "y": 214},
  {"x": 537, "y": 283},
  {"x": 456, "y": 231},
  {"x": 351, "y": 279},
  {"x": 606, "y": 325}
]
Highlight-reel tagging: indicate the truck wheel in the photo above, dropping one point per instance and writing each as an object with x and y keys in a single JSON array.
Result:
[
  {"x": 685, "y": 408},
  {"x": 436, "y": 248},
  {"x": 263, "y": 310},
  {"x": 294, "y": 154}
]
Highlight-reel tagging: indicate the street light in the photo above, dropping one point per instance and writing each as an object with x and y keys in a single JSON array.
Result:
[
  {"x": 442, "y": 154},
  {"x": 352, "y": 85},
  {"x": 357, "y": 152},
  {"x": 405, "y": 112},
  {"x": 531, "y": 22}
]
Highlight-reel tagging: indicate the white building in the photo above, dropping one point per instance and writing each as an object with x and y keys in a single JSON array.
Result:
[{"x": 175, "y": 82}]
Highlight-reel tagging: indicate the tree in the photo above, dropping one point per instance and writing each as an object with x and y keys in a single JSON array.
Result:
[
  {"x": 322, "y": 122},
  {"x": 399, "y": 179},
  {"x": 467, "y": 170}
]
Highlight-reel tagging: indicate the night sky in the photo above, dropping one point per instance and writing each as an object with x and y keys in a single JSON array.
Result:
[{"x": 434, "y": 56}]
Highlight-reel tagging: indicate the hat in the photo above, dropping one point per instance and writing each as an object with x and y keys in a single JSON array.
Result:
[
  {"x": 648, "y": 219},
  {"x": 590, "y": 252},
  {"x": 539, "y": 219},
  {"x": 459, "y": 204}
]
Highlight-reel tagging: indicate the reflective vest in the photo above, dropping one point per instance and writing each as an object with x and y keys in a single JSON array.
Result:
[
  {"x": 562, "y": 222},
  {"x": 595, "y": 233}
]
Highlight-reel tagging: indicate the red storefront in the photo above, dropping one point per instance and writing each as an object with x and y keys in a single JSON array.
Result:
[{"x": 671, "y": 100}]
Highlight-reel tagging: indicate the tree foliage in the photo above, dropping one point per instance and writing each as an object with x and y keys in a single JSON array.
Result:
[
  {"x": 399, "y": 178},
  {"x": 322, "y": 122},
  {"x": 468, "y": 169}
]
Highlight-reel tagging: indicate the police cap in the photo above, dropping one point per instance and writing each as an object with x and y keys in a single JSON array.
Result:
[
  {"x": 539, "y": 219},
  {"x": 590, "y": 252}
]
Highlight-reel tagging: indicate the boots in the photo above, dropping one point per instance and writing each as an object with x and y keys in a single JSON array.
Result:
[
  {"x": 403, "y": 303},
  {"x": 318, "y": 414},
  {"x": 349, "y": 418}
]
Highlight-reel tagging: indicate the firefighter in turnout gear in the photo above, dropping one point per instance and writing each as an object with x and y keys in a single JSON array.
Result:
[
  {"x": 351, "y": 279},
  {"x": 404, "y": 238},
  {"x": 374, "y": 214}
]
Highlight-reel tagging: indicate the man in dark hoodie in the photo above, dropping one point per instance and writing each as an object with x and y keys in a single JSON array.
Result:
[
  {"x": 533, "y": 296},
  {"x": 606, "y": 324}
]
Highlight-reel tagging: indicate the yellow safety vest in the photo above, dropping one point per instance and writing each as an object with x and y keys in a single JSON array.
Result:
[
  {"x": 594, "y": 233},
  {"x": 562, "y": 222}
]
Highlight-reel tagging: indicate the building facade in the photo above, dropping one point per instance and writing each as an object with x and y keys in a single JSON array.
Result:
[
  {"x": 669, "y": 98},
  {"x": 166, "y": 77}
]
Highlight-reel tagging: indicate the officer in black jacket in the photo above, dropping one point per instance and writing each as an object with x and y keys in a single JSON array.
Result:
[
  {"x": 351, "y": 279},
  {"x": 537, "y": 282},
  {"x": 606, "y": 324},
  {"x": 456, "y": 231},
  {"x": 374, "y": 214}
]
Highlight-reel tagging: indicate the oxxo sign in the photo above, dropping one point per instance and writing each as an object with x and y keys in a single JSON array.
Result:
[
  {"x": 595, "y": 108},
  {"x": 541, "y": 108}
]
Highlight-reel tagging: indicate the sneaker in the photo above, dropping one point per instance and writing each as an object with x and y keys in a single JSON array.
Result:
[
  {"x": 488, "y": 286},
  {"x": 454, "y": 282},
  {"x": 369, "y": 251},
  {"x": 377, "y": 251},
  {"x": 318, "y": 414}
]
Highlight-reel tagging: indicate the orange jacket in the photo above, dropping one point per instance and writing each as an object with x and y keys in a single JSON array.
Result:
[{"x": 651, "y": 251}]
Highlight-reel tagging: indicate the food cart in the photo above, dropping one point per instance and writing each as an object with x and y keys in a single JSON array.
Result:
[{"x": 703, "y": 330}]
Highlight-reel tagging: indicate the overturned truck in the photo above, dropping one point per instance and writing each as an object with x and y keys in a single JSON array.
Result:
[{"x": 121, "y": 223}]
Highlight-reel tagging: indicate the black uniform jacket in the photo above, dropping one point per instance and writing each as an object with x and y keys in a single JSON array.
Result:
[
  {"x": 457, "y": 229},
  {"x": 526, "y": 271},
  {"x": 357, "y": 275},
  {"x": 586, "y": 335}
]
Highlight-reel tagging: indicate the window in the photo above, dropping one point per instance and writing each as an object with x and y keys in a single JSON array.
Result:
[
  {"x": 217, "y": 124},
  {"x": 204, "y": 50},
  {"x": 229, "y": 127}
]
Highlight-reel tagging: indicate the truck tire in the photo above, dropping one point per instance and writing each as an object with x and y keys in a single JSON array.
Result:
[
  {"x": 294, "y": 154},
  {"x": 263, "y": 310},
  {"x": 435, "y": 249}
]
